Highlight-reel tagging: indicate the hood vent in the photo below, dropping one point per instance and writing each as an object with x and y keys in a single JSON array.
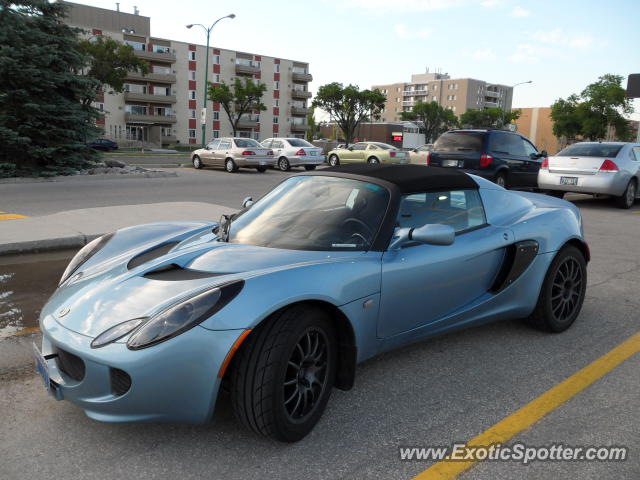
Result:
[
  {"x": 174, "y": 273},
  {"x": 150, "y": 255}
]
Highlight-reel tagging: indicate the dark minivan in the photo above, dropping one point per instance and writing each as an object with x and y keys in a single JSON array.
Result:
[{"x": 506, "y": 158}]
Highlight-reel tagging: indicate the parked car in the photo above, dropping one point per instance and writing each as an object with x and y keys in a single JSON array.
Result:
[
  {"x": 280, "y": 301},
  {"x": 420, "y": 155},
  {"x": 341, "y": 146},
  {"x": 506, "y": 158},
  {"x": 233, "y": 153},
  {"x": 369, "y": 152},
  {"x": 103, "y": 144},
  {"x": 601, "y": 168},
  {"x": 294, "y": 152}
]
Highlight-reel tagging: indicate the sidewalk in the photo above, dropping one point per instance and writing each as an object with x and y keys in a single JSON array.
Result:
[{"x": 75, "y": 228}]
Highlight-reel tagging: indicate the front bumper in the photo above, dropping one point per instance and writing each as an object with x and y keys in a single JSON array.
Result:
[
  {"x": 175, "y": 381},
  {"x": 600, "y": 183},
  {"x": 306, "y": 160},
  {"x": 254, "y": 161}
]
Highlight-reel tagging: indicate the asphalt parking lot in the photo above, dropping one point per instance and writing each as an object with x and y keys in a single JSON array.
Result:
[{"x": 443, "y": 391}]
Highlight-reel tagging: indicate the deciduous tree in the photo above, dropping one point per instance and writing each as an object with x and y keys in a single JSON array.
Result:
[
  {"x": 494, "y": 117},
  {"x": 435, "y": 119},
  {"x": 238, "y": 98}
]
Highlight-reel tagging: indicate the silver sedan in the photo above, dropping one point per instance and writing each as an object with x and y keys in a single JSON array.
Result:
[
  {"x": 294, "y": 152},
  {"x": 233, "y": 153},
  {"x": 599, "y": 168}
]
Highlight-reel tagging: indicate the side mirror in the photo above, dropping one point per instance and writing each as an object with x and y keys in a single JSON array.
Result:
[
  {"x": 247, "y": 202},
  {"x": 430, "y": 234}
]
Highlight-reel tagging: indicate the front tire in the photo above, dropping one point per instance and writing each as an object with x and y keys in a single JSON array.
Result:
[
  {"x": 628, "y": 198},
  {"x": 562, "y": 292},
  {"x": 283, "y": 164},
  {"x": 282, "y": 376},
  {"x": 197, "y": 163},
  {"x": 334, "y": 161},
  {"x": 230, "y": 166}
]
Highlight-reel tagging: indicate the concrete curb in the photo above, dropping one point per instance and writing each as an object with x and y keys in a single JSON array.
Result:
[{"x": 75, "y": 228}]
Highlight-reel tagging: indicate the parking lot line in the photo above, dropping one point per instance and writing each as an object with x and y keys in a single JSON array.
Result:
[
  {"x": 11, "y": 216},
  {"x": 26, "y": 331},
  {"x": 524, "y": 418}
]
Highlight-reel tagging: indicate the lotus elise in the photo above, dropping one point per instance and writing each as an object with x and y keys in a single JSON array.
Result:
[{"x": 278, "y": 303}]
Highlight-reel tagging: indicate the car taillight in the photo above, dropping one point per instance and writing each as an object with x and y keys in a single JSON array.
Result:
[
  {"x": 270, "y": 152},
  {"x": 608, "y": 166},
  {"x": 428, "y": 158},
  {"x": 485, "y": 160},
  {"x": 301, "y": 152},
  {"x": 392, "y": 154},
  {"x": 545, "y": 163},
  {"x": 248, "y": 152}
]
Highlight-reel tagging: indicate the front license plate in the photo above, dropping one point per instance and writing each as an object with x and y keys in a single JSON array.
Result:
[
  {"x": 568, "y": 180},
  {"x": 450, "y": 163},
  {"x": 42, "y": 368}
]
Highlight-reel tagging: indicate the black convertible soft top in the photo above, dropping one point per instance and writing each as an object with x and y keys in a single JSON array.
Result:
[{"x": 410, "y": 178}]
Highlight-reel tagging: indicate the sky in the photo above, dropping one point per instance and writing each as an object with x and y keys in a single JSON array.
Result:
[{"x": 560, "y": 45}]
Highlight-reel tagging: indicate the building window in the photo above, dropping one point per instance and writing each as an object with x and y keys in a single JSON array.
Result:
[
  {"x": 276, "y": 102},
  {"x": 256, "y": 135},
  {"x": 100, "y": 107},
  {"x": 275, "y": 119},
  {"x": 216, "y": 134},
  {"x": 192, "y": 133},
  {"x": 217, "y": 78},
  {"x": 455, "y": 86},
  {"x": 192, "y": 113},
  {"x": 398, "y": 89},
  {"x": 192, "y": 55},
  {"x": 277, "y": 86},
  {"x": 192, "y": 94},
  {"x": 435, "y": 87},
  {"x": 277, "y": 68},
  {"x": 192, "y": 74},
  {"x": 435, "y": 99},
  {"x": 216, "y": 59},
  {"x": 216, "y": 115}
]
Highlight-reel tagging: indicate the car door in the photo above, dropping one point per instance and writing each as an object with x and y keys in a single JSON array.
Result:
[
  {"x": 424, "y": 284},
  {"x": 532, "y": 161},
  {"x": 355, "y": 153},
  {"x": 207, "y": 155},
  {"x": 278, "y": 147},
  {"x": 222, "y": 151},
  {"x": 507, "y": 150}
]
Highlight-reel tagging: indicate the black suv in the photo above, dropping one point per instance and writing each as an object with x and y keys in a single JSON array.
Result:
[{"x": 506, "y": 158}]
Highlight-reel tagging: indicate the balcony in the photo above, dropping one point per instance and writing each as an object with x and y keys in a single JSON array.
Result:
[
  {"x": 156, "y": 56},
  {"x": 408, "y": 103},
  {"x": 139, "y": 118},
  {"x": 296, "y": 93},
  {"x": 153, "y": 77},
  {"x": 299, "y": 110},
  {"x": 300, "y": 127},
  {"x": 248, "y": 122},
  {"x": 247, "y": 68},
  {"x": 490, "y": 103},
  {"x": 491, "y": 93},
  {"x": 147, "y": 97},
  {"x": 411, "y": 93},
  {"x": 301, "y": 77}
]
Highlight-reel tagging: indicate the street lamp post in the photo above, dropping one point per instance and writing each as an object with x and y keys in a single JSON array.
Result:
[
  {"x": 513, "y": 86},
  {"x": 206, "y": 66}
]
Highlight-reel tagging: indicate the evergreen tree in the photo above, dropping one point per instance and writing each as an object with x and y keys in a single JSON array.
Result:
[{"x": 44, "y": 124}]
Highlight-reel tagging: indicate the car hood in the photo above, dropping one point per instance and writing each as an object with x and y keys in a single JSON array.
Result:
[{"x": 107, "y": 294}]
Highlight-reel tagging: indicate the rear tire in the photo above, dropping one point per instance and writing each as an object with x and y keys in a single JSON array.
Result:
[
  {"x": 197, "y": 163},
  {"x": 562, "y": 292},
  {"x": 334, "y": 161},
  {"x": 501, "y": 180},
  {"x": 373, "y": 160},
  {"x": 628, "y": 198},
  {"x": 282, "y": 377},
  {"x": 230, "y": 166},
  {"x": 309, "y": 167},
  {"x": 283, "y": 164}
]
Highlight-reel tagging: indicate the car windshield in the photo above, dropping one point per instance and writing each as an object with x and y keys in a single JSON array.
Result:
[
  {"x": 246, "y": 142},
  {"x": 298, "y": 142},
  {"x": 590, "y": 150},
  {"x": 386, "y": 146},
  {"x": 314, "y": 213},
  {"x": 459, "y": 142}
]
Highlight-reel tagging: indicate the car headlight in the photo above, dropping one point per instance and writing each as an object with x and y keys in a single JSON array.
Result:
[
  {"x": 183, "y": 316},
  {"x": 116, "y": 332},
  {"x": 85, "y": 253}
]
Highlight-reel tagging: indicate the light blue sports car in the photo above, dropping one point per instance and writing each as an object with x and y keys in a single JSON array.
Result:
[{"x": 278, "y": 303}]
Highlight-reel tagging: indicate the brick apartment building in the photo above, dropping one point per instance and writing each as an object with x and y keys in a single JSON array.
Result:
[
  {"x": 458, "y": 94},
  {"x": 164, "y": 107}
]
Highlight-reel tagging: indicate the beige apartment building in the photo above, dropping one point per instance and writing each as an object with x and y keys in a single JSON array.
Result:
[
  {"x": 458, "y": 94},
  {"x": 164, "y": 107},
  {"x": 536, "y": 124}
]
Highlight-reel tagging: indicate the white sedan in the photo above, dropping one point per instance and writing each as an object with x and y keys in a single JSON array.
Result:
[{"x": 294, "y": 152}]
